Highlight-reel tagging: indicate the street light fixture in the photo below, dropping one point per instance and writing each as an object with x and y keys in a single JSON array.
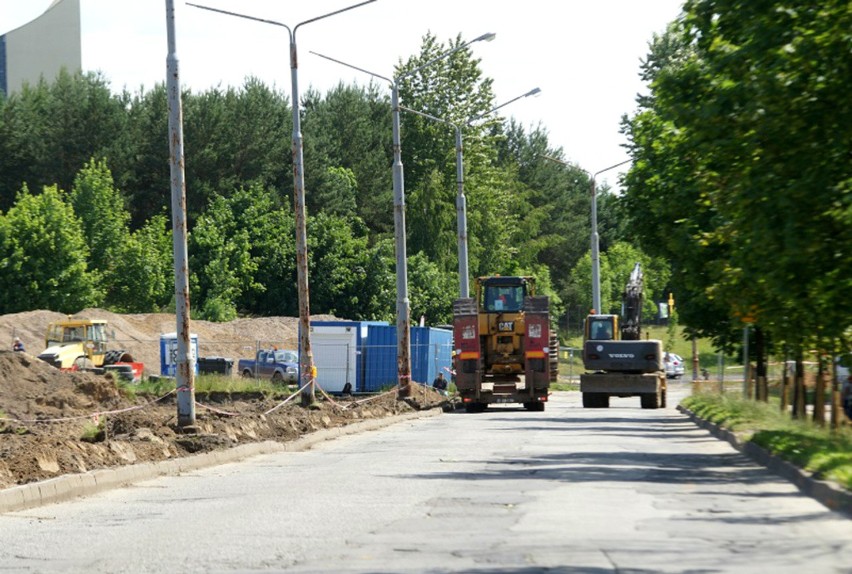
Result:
[
  {"x": 306, "y": 359},
  {"x": 595, "y": 240},
  {"x": 403, "y": 306},
  {"x": 461, "y": 200}
]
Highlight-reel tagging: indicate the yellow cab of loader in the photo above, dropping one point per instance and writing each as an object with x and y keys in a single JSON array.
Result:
[
  {"x": 501, "y": 321},
  {"x": 78, "y": 344}
]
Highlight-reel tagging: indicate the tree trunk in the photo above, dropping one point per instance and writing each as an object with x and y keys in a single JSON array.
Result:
[
  {"x": 799, "y": 387},
  {"x": 785, "y": 383},
  {"x": 819, "y": 391},
  {"x": 762, "y": 391}
]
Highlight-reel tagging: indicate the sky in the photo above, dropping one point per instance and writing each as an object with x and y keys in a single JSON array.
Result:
[{"x": 583, "y": 55}]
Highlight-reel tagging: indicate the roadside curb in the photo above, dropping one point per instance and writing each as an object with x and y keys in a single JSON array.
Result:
[
  {"x": 829, "y": 494},
  {"x": 69, "y": 486}
]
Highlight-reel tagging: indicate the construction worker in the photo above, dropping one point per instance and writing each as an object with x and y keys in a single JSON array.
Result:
[
  {"x": 440, "y": 383},
  {"x": 18, "y": 345}
]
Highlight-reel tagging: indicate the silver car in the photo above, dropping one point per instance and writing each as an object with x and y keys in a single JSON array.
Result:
[{"x": 674, "y": 366}]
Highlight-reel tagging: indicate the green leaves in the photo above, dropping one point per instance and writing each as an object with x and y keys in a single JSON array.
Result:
[
  {"x": 741, "y": 168},
  {"x": 43, "y": 256}
]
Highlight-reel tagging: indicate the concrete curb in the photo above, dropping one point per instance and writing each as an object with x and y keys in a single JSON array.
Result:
[
  {"x": 830, "y": 494},
  {"x": 71, "y": 486}
]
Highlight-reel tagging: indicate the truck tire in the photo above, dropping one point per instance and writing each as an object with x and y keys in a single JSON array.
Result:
[
  {"x": 277, "y": 378},
  {"x": 247, "y": 374},
  {"x": 534, "y": 407},
  {"x": 663, "y": 399},
  {"x": 595, "y": 401},
  {"x": 649, "y": 400},
  {"x": 475, "y": 407},
  {"x": 554, "y": 357}
]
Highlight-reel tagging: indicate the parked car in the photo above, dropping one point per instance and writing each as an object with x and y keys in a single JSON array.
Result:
[
  {"x": 282, "y": 366},
  {"x": 674, "y": 366}
]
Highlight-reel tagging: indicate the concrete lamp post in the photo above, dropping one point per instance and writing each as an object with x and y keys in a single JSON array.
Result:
[
  {"x": 403, "y": 307},
  {"x": 595, "y": 239},
  {"x": 461, "y": 200},
  {"x": 307, "y": 371}
]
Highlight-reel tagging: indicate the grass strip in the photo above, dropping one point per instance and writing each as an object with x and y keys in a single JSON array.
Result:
[{"x": 826, "y": 453}]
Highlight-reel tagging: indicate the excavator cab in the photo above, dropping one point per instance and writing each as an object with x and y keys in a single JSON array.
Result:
[{"x": 601, "y": 328}]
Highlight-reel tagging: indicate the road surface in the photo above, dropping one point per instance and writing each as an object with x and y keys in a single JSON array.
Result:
[{"x": 509, "y": 491}]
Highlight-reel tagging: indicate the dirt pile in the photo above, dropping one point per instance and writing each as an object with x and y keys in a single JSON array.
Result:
[
  {"x": 140, "y": 334},
  {"x": 54, "y": 422}
]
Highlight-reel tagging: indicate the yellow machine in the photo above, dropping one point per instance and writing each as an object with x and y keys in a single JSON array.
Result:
[
  {"x": 79, "y": 344},
  {"x": 617, "y": 362},
  {"x": 506, "y": 351}
]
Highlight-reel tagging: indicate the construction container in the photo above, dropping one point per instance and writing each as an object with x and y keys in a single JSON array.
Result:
[
  {"x": 338, "y": 350},
  {"x": 431, "y": 350}
]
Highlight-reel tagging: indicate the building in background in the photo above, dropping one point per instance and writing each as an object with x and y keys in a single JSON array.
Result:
[{"x": 42, "y": 47}]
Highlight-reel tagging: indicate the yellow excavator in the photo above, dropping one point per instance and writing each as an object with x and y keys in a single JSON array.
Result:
[
  {"x": 80, "y": 344},
  {"x": 618, "y": 362}
]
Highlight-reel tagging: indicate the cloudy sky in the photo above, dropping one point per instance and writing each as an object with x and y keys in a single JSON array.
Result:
[{"x": 584, "y": 55}]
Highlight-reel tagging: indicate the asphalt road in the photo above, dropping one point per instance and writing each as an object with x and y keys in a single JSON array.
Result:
[{"x": 566, "y": 490}]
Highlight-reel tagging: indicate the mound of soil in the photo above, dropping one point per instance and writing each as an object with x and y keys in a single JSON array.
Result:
[
  {"x": 140, "y": 334},
  {"x": 54, "y": 422}
]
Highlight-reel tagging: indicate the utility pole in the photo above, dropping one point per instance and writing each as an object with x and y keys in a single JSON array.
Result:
[{"x": 184, "y": 370}]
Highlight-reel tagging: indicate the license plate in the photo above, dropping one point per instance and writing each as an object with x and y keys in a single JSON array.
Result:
[{"x": 503, "y": 400}]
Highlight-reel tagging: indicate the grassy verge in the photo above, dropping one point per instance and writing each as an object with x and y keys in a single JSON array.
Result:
[
  {"x": 207, "y": 384},
  {"x": 826, "y": 453}
]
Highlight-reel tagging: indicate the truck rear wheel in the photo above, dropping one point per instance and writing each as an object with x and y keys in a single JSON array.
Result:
[
  {"x": 649, "y": 400},
  {"x": 554, "y": 357},
  {"x": 535, "y": 407},
  {"x": 595, "y": 400},
  {"x": 475, "y": 407}
]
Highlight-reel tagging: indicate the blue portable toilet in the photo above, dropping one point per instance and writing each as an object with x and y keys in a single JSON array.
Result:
[{"x": 168, "y": 353}]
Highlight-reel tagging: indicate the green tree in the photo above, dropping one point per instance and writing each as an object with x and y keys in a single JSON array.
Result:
[
  {"x": 432, "y": 291},
  {"x": 346, "y": 279},
  {"x": 50, "y": 130},
  {"x": 43, "y": 256},
  {"x": 145, "y": 283},
  {"x": 350, "y": 128},
  {"x": 100, "y": 208},
  {"x": 740, "y": 166},
  {"x": 271, "y": 233},
  {"x": 428, "y": 147},
  {"x": 221, "y": 264}
]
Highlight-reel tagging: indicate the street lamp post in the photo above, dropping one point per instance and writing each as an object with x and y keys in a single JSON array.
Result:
[
  {"x": 403, "y": 307},
  {"x": 595, "y": 239},
  {"x": 596, "y": 256},
  {"x": 461, "y": 201},
  {"x": 185, "y": 386},
  {"x": 307, "y": 371}
]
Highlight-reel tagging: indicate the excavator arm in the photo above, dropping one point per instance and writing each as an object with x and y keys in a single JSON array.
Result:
[{"x": 631, "y": 302}]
